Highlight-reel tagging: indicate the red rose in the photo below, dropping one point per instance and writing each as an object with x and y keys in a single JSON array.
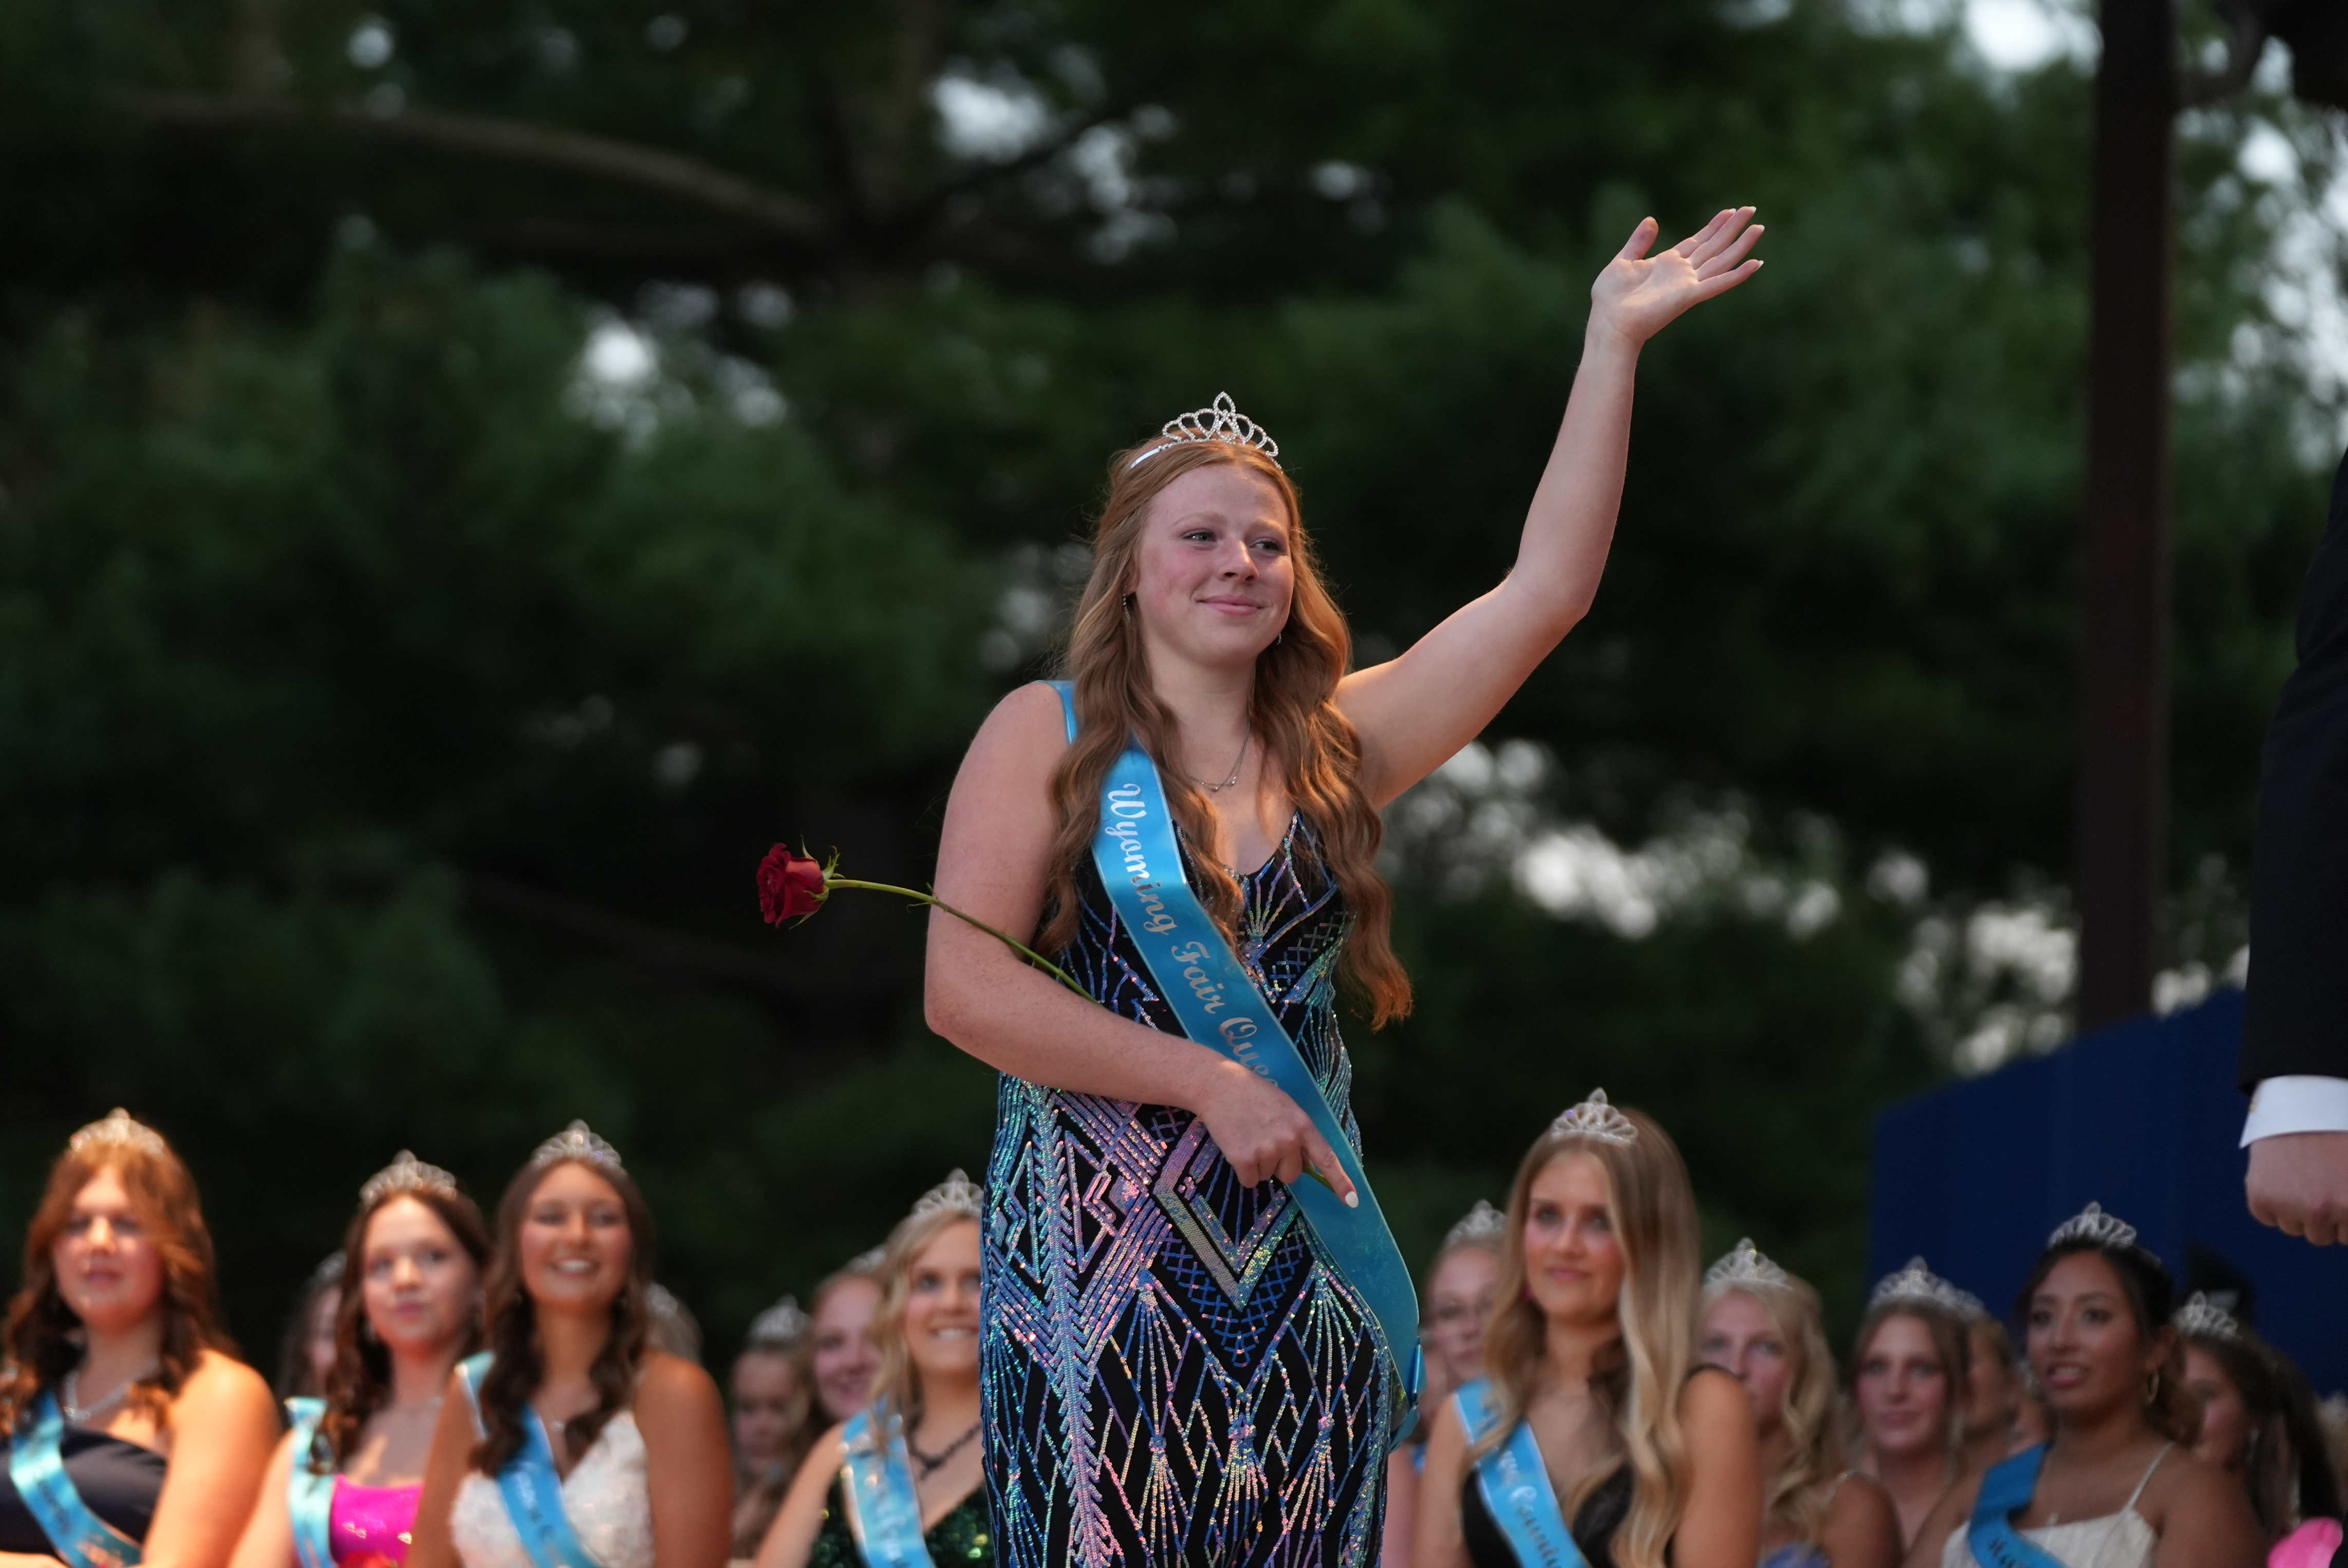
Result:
[{"x": 790, "y": 886}]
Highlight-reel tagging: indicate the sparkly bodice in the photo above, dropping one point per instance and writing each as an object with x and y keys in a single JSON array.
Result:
[
  {"x": 605, "y": 1497},
  {"x": 1172, "y": 1375},
  {"x": 369, "y": 1526},
  {"x": 961, "y": 1536}
]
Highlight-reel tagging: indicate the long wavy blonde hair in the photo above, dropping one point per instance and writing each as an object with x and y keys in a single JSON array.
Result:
[
  {"x": 1796, "y": 1496},
  {"x": 897, "y": 1385},
  {"x": 1653, "y": 1210},
  {"x": 1294, "y": 710}
]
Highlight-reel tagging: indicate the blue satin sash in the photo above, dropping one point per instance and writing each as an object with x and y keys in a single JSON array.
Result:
[
  {"x": 309, "y": 1496},
  {"x": 1515, "y": 1485},
  {"x": 881, "y": 1484},
  {"x": 37, "y": 1464},
  {"x": 531, "y": 1489},
  {"x": 1218, "y": 1005},
  {"x": 2004, "y": 1492}
]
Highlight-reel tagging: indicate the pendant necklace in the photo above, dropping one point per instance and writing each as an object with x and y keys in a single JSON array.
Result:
[
  {"x": 74, "y": 1410},
  {"x": 929, "y": 1463}
]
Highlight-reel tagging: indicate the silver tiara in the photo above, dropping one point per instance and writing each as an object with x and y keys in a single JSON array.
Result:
[
  {"x": 1745, "y": 1267},
  {"x": 866, "y": 1262},
  {"x": 1218, "y": 421},
  {"x": 781, "y": 1326},
  {"x": 1913, "y": 1285},
  {"x": 118, "y": 1129},
  {"x": 578, "y": 1141},
  {"x": 1594, "y": 1118},
  {"x": 1967, "y": 1304},
  {"x": 2200, "y": 1315},
  {"x": 405, "y": 1174},
  {"x": 957, "y": 1193},
  {"x": 1483, "y": 1225},
  {"x": 2092, "y": 1225}
]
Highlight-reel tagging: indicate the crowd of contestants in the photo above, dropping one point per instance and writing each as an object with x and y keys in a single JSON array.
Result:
[{"x": 1683, "y": 1416}]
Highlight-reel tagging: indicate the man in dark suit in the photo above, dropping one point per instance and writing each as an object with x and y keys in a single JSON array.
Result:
[{"x": 2295, "y": 1025}]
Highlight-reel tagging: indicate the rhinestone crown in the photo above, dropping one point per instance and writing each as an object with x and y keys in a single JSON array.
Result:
[
  {"x": 118, "y": 1129},
  {"x": 1915, "y": 1284},
  {"x": 2092, "y": 1225},
  {"x": 2200, "y": 1315},
  {"x": 1483, "y": 1225},
  {"x": 1745, "y": 1267},
  {"x": 1218, "y": 421},
  {"x": 781, "y": 1326},
  {"x": 1594, "y": 1118},
  {"x": 405, "y": 1174},
  {"x": 578, "y": 1141},
  {"x": 957, "y": 1193}
]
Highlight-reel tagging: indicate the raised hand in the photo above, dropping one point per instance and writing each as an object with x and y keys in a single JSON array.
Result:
[{"x": 1638, "y": 296}]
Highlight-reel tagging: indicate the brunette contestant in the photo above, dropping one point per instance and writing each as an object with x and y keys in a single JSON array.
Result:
[
  {"x": 1149, "y": 1282},
  {"x": 772, "y": 1405},
  {"x": 571, "y": 1441},
  {"x": 1458, "y": 1295},
  {"x": 898, "y": 1483},
  {"x": 342, "y": 1487},
  {"x": 1594, "y": 1433},
  {"x": 1766, "y": 1328},
  {"x": 2259, "y": 1424},
  {"x": 127, "y": 1432},
  {"x": 2118, "y": 1486}
]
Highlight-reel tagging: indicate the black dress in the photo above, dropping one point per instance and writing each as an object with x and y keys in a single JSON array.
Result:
[
  {"x": 1601, "y": 1515},
  {"x": 120, "y": 1481}
]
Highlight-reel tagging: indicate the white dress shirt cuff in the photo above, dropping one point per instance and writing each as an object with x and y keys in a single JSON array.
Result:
[{"x": 2299, "y": 1103}]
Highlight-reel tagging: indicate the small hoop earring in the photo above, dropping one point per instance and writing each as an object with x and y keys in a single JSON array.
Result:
[{"x": 2152, "y": 1387}]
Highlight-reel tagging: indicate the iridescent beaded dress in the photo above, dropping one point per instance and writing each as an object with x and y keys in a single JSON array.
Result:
[{"x": 1171, "y": 1374}]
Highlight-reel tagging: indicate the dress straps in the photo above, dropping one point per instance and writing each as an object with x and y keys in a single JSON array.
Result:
[{"x": 2130, "y": 1505}]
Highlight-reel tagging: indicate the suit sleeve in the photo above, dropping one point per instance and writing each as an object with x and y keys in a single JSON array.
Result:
[{"x": 2295, "y": 1020}]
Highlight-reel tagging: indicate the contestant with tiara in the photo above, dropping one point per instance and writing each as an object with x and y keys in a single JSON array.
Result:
[
  {"x": 1458, "y": 1292},
  {"x": 1595, "y": 1436},
  {"x": 127, "y": 1428},
  {"x": 1194, "y": 1351},
  {"x": 571, "y": 1441},
  {"x": 1910, "y": 1367},
  {"x": 898, "y": 1484},
  {"x": 2118, "y": 1486},
  {"x": 2258, "y": 1425},
  {"x": 772, "y": 1403},
  {"x": 1767, "y": 1330},
  {"x": 342, "y": 1487},
  {"x": 841, "y": 1356}
]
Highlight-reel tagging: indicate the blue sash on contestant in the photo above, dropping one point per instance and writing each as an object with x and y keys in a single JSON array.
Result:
[
  {"x": 888, "y": 1511},
  {"x": 1515, "y": 1485},
  {"x": 1218, "y": 1006},
  {"x": 530, "y": 1488},
  {"x": 2004, "y": 1492},
  {"x": 37, "y": 1464},
  {"x": 309, "y": 1496}
]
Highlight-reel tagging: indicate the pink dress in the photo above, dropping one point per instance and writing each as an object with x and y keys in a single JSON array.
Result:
[
  {"x": 2310, "y": 1546},
  {"x": 370, "y": 1526}
]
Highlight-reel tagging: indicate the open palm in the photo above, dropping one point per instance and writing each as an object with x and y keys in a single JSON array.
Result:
[{"x": 1638, "y": 296}]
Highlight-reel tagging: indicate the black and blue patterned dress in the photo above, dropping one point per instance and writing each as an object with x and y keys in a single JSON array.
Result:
[{"x": 1171, "y": 1373}]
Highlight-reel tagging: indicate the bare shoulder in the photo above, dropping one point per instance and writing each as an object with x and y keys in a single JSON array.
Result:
[
  {"x": 223, "y": 1387},
  {"x": 1030, "y": 719},
  {"x": 1713, "y": 1396},
  {"x": 1861, "y": 1525},
  {"x": 1861, "y": 1499},
  {"x": 2192, "y": 1484},
  {"x": 671, "y": 1388}
]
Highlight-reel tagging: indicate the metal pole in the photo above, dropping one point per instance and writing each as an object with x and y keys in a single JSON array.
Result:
[{"x": 2123, "y": 807}]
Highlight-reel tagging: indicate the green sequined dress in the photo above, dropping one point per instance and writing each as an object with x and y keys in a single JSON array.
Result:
[{"x": 961, "y": 1536}]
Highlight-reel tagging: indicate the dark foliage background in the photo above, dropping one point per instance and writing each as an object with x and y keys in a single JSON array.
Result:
[{"x": 473, "y": 475}]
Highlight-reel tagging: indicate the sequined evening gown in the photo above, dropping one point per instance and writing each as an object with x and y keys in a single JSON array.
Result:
[{"x": 1171, "y": 1373}]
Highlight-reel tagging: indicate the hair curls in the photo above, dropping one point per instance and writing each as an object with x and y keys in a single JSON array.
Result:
[
  {"x": 510, "y": 1324},
  {"x": 1638, "y": 1383},
  {"x": 1294, "y": 708},
  {"x": 1797, "y": 1496},
  {"x": 38, "y": 1346},
  {"x": 360, "y": 1383}
]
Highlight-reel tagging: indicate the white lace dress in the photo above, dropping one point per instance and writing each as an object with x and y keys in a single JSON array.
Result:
[{"x": 604, "y": 1496}]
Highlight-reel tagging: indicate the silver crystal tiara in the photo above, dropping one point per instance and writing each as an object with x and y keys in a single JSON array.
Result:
[
  {"x": 1914, "y": 1284},
  {"x": 2200, "y": 1315},
  {"x": 118, "y": 1129},
  {"x": 405, "y": 1174},
  {"x": 781, "y": 1326},
  {"x": 2092, "y": 1225},
  {"x": 957, "y": 1193},
  {"x": 866, "y": 1262},
  {"x": 1482, "y": 1225},
  {"x": 1745, "y": 1267},
  {"x": 578, "y": 1141},
  {"x": 1594, "y": 1118},
  {"x": 1218, "y": 421},
  {"x": 1967, "y": 1304}
]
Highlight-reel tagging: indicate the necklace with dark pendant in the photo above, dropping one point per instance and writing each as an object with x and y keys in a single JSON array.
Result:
[{"x": 929, "y": 1464}]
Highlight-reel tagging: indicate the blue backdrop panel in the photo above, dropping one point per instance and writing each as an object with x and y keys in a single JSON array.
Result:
[{"x": 2142, "y": 1118}]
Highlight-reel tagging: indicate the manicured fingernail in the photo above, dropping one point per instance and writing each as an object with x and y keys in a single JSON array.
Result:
[{"x": 1352, "y": 1200}]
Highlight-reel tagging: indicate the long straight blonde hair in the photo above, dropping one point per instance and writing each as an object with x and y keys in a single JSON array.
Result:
[
  {"x": 1796, "y": 1496},
  {"x": 1637, "y": 1382},
  {"x": 1294, "y": 708}
]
